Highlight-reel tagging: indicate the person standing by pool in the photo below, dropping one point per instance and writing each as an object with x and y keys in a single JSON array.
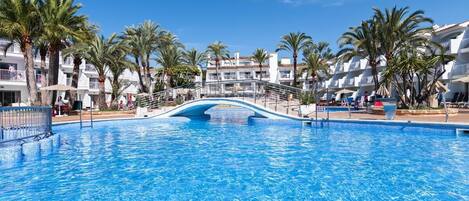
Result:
[{"x": 365, "y": 99}]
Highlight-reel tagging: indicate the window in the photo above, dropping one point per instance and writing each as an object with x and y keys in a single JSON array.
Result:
[
  {"x": 285, "y": 74},
  {"x": 245, "y": 75},
  {"x": 213, "y": 76},
  {"x": 9, "y": 97},
  {"x": 229, "y": 76}
]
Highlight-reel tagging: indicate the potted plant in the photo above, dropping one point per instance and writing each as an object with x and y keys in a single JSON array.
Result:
[{"x": 308, "y": 103}]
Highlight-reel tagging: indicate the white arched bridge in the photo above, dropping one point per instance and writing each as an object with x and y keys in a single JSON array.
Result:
[{"x": 197, "y": 108}]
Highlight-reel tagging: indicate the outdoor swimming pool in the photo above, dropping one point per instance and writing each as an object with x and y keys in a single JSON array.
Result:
[{"x": 232, "y": 158}]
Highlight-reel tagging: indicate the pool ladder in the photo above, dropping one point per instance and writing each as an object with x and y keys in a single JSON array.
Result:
[{"x": 91, "y": 117}]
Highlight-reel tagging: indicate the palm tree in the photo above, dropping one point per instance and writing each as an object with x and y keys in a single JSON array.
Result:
[
  {"x": 137, "y": 44},
  {"x": 117, "y": 66},
  {"x": 260, "y": 56},
  {"x": 101, "y": 52},
  {"x": 193, "y": 57},
  {"x": 316, "y": 67},
  {"x": 61, "y": 23},
  {"x": 218, "y": 51},
  {"x": 169, "y": 57},
  {"x": 397, "y": 28},
  {"x": 77, "y": 51},
  {"x": 362, "y": 41},
  {"x": 42, "y": 47},
  {"x": 321, "y": 48},
  {"x": 19, "y": 22},
  {"x": 294, "y": 43},
  {"x": 144, "y": 39}
]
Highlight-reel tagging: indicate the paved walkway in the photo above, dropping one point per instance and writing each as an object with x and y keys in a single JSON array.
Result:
[
  {"x": 96, "y": 115},
  {"x": 462, "y": 117}
]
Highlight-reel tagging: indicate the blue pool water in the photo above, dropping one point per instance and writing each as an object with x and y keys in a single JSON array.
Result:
[{"x": 231, "y": 158}]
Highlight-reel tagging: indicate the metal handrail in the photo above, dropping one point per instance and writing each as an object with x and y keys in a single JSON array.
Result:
[{"x": 278, "y": 97}]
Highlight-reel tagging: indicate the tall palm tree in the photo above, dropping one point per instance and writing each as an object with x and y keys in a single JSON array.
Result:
[
  {"x": 132, "y": 38},
  {"x": 260, "y": 56},
  {"x": 218, "y": 51},
  {"x": 77, "y": 49},
  {"x": 19, "y": 22},
  {"x": 316, "y": 67},
  {"x": 61, "y": 23},
  {"x": 294, "y": 43},
  {"x": 117, "y": 66},
  {"x": 362, "y": 41},
  {"x": 42, "y": 47},
  {"x": 144, "y": 39},
  {"x": 169, "y": 57},
  {"x": 101, "y": 52},
  {"x": 396, "y": 28}
]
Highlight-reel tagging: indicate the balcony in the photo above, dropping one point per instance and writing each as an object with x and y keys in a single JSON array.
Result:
[
  {"x": 229, "y": 76},
  {"x": 368, "y": 80},
  {"x": 244, "y": 76},
  {"x": 334, "y": 84},
  {"x": 339, "y": 68},
  {"x": 90, "y": 69},
  {"x": 12, "y": 75},
  {"x": 94, "y": 85},
  {"x": 461, "y": 69},
  {"x": 349, "y": 82},
  {"x": 354, "y": 66}
]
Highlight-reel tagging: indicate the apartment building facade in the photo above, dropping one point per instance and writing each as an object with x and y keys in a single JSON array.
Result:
[
  {"x": 13, "y": 90},
  {"x": 354, "y": 74}
]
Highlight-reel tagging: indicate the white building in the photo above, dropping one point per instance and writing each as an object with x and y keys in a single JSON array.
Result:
[
  {"x": 13, "y": 79},
  {"x": 354, "y": 74}
]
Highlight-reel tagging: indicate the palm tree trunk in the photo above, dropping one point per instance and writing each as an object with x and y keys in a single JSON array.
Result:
[
  {"x": 76, "y": 70},
  {"x": 44, "y": 94},
  {"x": 218, "y": 76},
  {"x": 102, "y": 95},
  {"x": 115, "y": 92},
  {"x": 53, "y": 71},
  {"x": 150, "y": 87},
  {"x": 139, "y": 73},
  {"x": 374, "y": 73},
  {"x": 260, "y": 76},
  {"x": 295, "y": 79},
  {"x": 30, "y": 75}
]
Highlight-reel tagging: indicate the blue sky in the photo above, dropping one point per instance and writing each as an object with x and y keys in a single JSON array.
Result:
[{"x": 248, "y": 24}]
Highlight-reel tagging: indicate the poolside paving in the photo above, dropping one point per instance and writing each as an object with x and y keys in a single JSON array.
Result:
[
  {"x": 96, "y": 116},
  {"x": 461, "y": 117}
]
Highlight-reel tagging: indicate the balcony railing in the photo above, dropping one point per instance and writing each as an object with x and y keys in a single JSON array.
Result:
[
  {"x": 12, "y": 75},
  {"x": 244, "y": 76}
]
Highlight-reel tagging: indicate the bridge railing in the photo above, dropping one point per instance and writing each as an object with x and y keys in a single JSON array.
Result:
[
  {"x": 281, "y": 98},
  {"x": 19, "y": 123}
]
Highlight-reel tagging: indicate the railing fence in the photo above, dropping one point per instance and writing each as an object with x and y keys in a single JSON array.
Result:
[{"x": 19, "y": 123}]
